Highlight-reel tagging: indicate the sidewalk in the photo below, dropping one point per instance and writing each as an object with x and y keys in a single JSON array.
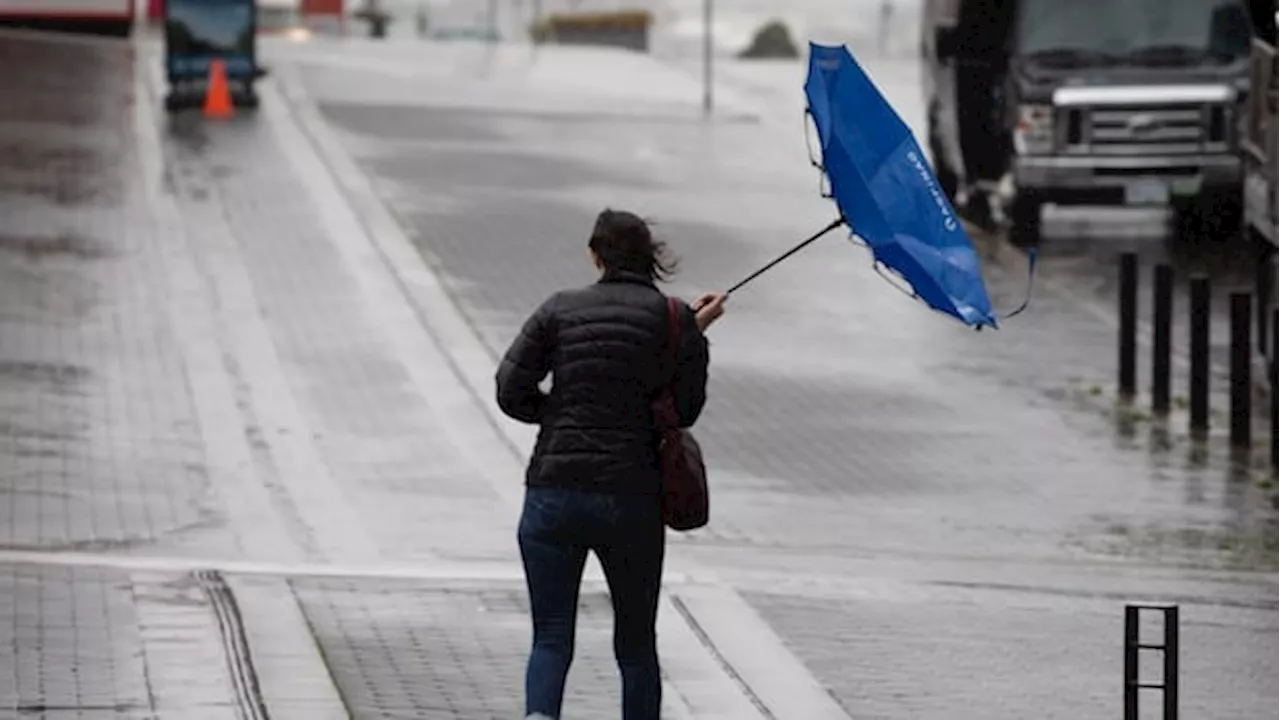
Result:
[
  {"x": 97, "y": 432},
  {"x": 359, "y": 494}
]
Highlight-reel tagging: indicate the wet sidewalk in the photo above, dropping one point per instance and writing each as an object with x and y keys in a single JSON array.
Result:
[
  {"x": 284, "y": 352},
  {"x": 233, "y": 297}
]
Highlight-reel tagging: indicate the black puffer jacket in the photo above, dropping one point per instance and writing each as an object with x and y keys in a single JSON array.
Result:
[{"x": 605, "y": 347}]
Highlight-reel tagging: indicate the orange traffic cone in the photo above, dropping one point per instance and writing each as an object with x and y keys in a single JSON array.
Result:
[{"x": 217, "y": 96}]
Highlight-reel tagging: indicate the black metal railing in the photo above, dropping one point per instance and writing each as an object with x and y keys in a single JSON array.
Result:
[{"x": 1133, "y": 648}]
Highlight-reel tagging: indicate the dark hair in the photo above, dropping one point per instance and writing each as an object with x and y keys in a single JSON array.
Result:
[{"x": 624, "y": 243}]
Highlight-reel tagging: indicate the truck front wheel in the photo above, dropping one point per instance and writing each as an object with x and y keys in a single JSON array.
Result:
[{"x": 1212, "y": 216}]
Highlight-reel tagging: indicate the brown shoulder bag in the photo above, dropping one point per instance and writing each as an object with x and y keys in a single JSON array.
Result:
[{"x": 685, "y": 503}]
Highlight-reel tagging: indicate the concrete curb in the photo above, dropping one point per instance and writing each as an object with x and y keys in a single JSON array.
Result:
[
  {"x": 757, "y": 656},
  {"x": 308, "y": 482},
  {"x": 249, "y": 501},
  {"x": 294, "y": 679},
  {"x": 196, "y": 334}
]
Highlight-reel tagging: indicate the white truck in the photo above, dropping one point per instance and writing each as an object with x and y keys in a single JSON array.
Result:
[{"x": 1089, "y": 102}]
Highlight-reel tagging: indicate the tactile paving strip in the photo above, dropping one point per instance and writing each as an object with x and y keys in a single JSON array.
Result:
[{"x": 446, "y": 651}]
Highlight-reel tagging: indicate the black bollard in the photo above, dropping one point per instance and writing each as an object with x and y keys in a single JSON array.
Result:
[
  {"x": 1162, "y": 338},
  {"x": 1241, "y": 370},
  {"x": 1275, "y": 399},
  {"x": 1133, "y": 647},
  {"x": 1199, "y": 354},
  {"x": 1128, "y": 324}
]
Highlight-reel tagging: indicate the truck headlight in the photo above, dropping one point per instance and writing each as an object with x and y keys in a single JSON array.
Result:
[{"x": 1033, "y": 133}]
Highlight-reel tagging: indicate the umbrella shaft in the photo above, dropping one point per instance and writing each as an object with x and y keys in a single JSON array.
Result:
[{"x": 802, "y": 245}]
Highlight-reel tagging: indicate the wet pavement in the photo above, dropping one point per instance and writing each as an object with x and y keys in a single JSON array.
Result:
[
  {"x": 99, "y": 445},
  {"x": 96, "y": 644},
  {"x": 433, "y": 651},
  {"x": 897, "y": 435},
  {"x": 99, "y": 448},
  {"x": 826, "y": 427},
  {"x": 226, "y": 360}
]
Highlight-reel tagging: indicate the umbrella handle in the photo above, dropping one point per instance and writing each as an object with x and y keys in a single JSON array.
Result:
[{"x": 802, "y": 245}]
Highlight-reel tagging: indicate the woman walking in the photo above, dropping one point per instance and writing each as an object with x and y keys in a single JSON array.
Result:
[{"x": 593, "y": 481}]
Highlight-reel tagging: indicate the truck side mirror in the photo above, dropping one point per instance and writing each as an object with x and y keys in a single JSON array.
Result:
[{"x": 944, "y": 42}]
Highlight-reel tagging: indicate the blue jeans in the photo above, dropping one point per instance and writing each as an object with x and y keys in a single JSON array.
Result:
[{"x": 557, "y": 529}]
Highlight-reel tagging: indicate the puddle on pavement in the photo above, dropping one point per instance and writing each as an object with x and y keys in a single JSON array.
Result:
[
  {"x": 1235, "y": 548},
  {"x": 40, "y": 403},
  {"x": 466, "y": 170},
  {"x": 188, "y": 132},
  {"x": 408, "y": 122},
  {"x": 65, "y": 244},
  {"x": 1235, "y": 488},
  {"x": 53, "y": 374},
  {"x": 444, "y": 123},
  {"x": 44, "y": 279},
  {"x": 62, "y": 174}
]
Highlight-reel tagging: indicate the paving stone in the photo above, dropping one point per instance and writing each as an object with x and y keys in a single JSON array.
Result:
[
  {"x": 85, "y": 653},
  {"x": 183, "y": 648},
  {"x": 98, "y": 443}
]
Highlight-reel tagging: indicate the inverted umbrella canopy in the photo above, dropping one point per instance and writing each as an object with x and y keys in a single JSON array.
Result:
[{"x": 887, "y": 193}]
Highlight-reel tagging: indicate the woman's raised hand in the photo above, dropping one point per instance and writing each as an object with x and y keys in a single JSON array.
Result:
[{"x": 708, "y": 307}]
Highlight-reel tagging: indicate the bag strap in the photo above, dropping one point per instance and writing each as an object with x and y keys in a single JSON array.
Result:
[{"x": 673, "y": 338}]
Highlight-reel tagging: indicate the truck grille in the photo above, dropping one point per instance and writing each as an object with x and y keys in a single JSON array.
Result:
[{"x": 1146, "y": 130}]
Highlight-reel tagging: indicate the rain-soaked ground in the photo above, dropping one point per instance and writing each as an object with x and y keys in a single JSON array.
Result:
[
  {"x": 845, "y": 421},
  {"x": 936, "y": 522},
  {"x": 455, "y": 176}
]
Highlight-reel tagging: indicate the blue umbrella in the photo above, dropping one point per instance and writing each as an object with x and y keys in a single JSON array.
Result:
[{"x": 887, "y": 194}]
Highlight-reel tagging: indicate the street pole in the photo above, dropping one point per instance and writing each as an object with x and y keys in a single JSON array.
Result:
[
  {"x": 493, "y": 21},
  {"x": 706, "y": 56}
]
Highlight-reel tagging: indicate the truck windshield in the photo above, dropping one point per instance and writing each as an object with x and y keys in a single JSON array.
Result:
[{"x": 1139, "y": 32}]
